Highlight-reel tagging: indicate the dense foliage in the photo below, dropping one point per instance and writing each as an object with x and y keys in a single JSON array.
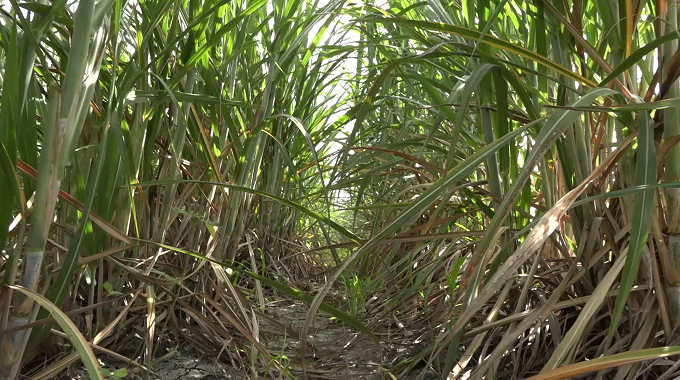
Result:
[{"x": 497, "y": 179}]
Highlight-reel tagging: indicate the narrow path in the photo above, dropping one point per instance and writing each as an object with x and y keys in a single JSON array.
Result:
[{"x": 335, "y": 351}]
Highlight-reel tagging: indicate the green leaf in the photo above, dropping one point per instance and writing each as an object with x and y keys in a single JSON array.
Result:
[
  {"x": 77, "y": 339},
  {"x": 635, "y": 57},
  {"x": 645, "y": 174},
  {"x": 120, "y": 372},
  {"x": 485, "y": 39}
]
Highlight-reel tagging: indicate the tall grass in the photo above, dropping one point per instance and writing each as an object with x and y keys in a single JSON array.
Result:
[{"x": 499, "y": 176}]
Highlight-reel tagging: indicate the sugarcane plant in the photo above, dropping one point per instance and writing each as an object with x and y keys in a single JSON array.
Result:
[
  {"x": 499, "y": 179},
  {"x": 141, "y": 131},
  {"x": 67, "y": 104}
]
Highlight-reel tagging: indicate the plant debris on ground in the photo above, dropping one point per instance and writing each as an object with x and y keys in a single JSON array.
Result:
[{"x": 339, "y": 189}]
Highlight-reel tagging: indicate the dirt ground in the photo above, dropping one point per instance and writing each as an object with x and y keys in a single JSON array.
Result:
[
  {"x": 339, "y": 352},
  {"x": 335, "y": 351}
]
